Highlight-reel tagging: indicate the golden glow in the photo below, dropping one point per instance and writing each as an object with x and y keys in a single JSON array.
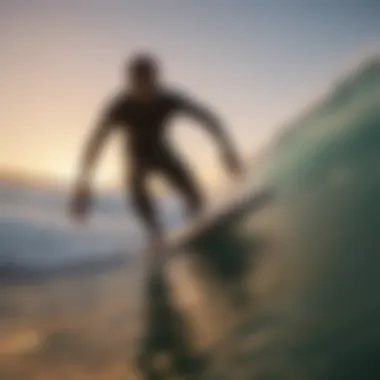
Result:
[{"x": 60, "y": 62}]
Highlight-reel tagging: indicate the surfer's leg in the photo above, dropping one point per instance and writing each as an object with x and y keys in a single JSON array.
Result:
[
  {"x": 180, "y": 177},
  {"x": 143, "y": 203}
]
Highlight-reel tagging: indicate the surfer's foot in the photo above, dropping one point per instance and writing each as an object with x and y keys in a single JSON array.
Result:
[
  {"x": 155, "y": 249},
  {"x": 194, "y": 212},
  {"x": 156, "y": 242}
]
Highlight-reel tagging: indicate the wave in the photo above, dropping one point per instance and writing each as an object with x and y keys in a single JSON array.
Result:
[{"x": 15, "y": 273}]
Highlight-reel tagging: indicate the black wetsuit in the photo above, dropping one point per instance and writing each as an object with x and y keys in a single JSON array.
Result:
[{"x": 144, "y": 125}]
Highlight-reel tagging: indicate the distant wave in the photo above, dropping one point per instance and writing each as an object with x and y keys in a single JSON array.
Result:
[
  {"x": 37, "y": 237},
  {"x": 11, "y": 273}
]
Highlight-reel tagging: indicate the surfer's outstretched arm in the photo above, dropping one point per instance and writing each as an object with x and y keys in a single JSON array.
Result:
[
  {"x": 93, "y": 148},
  {"x": 81, "y": 198},
  {"x": 214, "y": 126},
  {"x": 107, "y": 120}
]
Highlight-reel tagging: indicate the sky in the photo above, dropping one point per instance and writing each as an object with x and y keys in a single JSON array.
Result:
[{"x": 255, "y": 62}]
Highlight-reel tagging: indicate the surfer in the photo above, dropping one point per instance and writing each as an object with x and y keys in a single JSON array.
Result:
[{"x": 142, "y": 111}]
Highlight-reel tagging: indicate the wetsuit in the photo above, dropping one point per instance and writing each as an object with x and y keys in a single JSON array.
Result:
[{"x": 144, "y": 124}]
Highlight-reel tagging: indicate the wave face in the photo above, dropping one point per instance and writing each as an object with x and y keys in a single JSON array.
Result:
[
  {"x": 317, "y": 312},
  {"x": 308, "y": 262}
]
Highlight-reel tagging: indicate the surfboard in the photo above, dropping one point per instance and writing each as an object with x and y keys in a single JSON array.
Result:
[
  {"x": 211, "y": 221},
  {"x": 165, "y": 350}
]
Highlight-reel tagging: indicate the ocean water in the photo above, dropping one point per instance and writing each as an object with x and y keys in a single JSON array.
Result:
[
  {"x": 315, "y": 278},
  {"x": 36, "y": 231},
  {"x": 308, "y": 262}
]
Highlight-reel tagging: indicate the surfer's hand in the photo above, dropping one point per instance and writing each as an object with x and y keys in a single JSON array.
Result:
[
  {"x": 233, "y": 164},
  {"x": 80, "y": 202}
]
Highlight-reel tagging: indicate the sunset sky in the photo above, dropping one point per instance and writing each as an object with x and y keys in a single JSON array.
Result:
[{"x": 255, "y": 62}]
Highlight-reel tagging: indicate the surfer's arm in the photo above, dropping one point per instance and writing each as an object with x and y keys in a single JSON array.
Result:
[
  {"x": 103, "y": 128},
  {"x": 205, "y": 117},
  {"x": 214, "y": 126},
  {"x": 93, "y": 148},
  {"x": 80, "y": 201},
  {"x": 81, "y": 198}
]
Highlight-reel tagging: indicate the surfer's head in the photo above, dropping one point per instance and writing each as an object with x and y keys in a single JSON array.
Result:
[{"x": 142, "y": 72}]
